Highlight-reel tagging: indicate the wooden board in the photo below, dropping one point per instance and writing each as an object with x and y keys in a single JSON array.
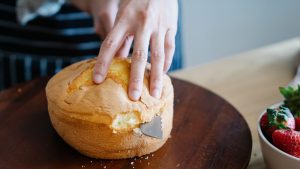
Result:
[{"x": 208, "y": 133}]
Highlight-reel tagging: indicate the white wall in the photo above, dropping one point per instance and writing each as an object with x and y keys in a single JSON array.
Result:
[{"x": 214, "y": 29}]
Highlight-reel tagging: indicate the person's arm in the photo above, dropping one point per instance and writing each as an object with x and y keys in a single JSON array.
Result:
[
  {"x": 152, "y": 23},
  {"x": 104, "y": 14}
]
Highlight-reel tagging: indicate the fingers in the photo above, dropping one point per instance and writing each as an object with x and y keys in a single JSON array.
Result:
[
  {"x": 104, "y": 15},
  {"x": 157, "y": 64},
  {"x": 169, "y": 48},
  {"x": 138, "y": 64},
  {"x": 108, "y": 18},
  {"x": 125, "y": 48},
  {"x": 108, "y": 50},
  {"x": 99, "y": 27}
]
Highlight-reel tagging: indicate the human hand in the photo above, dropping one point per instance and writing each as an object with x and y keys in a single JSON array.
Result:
[
  {"x": 150, "y": 22},
  {"x": 104, "y": 14}
]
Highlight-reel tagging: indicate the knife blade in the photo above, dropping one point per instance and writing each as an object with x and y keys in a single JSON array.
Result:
[{"x": 153, "y": 128}]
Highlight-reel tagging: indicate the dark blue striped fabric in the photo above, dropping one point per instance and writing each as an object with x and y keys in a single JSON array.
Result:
[{"x": 46, "y": 45}]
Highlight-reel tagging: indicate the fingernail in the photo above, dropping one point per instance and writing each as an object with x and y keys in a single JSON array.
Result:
[
  {"x": 135, "y": 95},
  {"x": 98, "y": 78},
  {"x": 155, "y": 93}
]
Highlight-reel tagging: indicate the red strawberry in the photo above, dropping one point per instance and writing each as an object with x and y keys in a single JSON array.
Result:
[
  {"x": 265, "y": 126},
  {"x": 297, "y": 122},
  {"x": 287, "y": 141},
  {"x": 280, "y": 118}
]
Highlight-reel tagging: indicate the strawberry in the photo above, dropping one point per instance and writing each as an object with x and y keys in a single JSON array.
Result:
[
  {"x": 292, "y": 101},
  {"x": 265, "y": 126},
  {"x": 279, "y": 118},
  {"x": 287, "y": 141},
  {"x": 297, "y": 122}
]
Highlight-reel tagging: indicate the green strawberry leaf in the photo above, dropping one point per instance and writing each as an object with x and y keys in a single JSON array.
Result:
[
  {"x": 287, "y": 92},
  {"x": 279, "y": 117},
  {"x": 292, "y": 99}
]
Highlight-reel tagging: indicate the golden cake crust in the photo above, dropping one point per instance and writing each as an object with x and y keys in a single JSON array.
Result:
[{"x": 84, "y": 114}]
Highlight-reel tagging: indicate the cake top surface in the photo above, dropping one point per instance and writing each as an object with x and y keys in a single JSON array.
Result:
[{"x": 73, "y": 92}]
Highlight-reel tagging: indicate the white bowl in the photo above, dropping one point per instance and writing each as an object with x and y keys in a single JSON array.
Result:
[{"x": 274, "y": 157}]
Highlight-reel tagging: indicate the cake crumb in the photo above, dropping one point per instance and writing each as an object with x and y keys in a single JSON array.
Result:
[
  {"x": 91, "y": 161},
  {"x": 152, "y": 155},
  {"x": 137, "y": 131},
  {"x": 84, "y": 88},
  {"x": 132, "y": 163},
  {"x": 148, "y": 163},
  {"x": 146, "y": 158},
  {"x": 104, "y": 166},
  {"x": 82, "y": 166},
  {"x": 19, "y": 90},
  {"x": 178, "y": 165}
]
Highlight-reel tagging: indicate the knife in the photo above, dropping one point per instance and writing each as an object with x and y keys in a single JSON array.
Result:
[{"x": 153, "y": 128}]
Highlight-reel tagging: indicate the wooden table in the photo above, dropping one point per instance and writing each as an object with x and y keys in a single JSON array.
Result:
[{"x": 249, "y": 81}]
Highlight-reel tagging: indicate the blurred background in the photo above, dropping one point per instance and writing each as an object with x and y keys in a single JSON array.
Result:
[{"x": 215, "y": 29}]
